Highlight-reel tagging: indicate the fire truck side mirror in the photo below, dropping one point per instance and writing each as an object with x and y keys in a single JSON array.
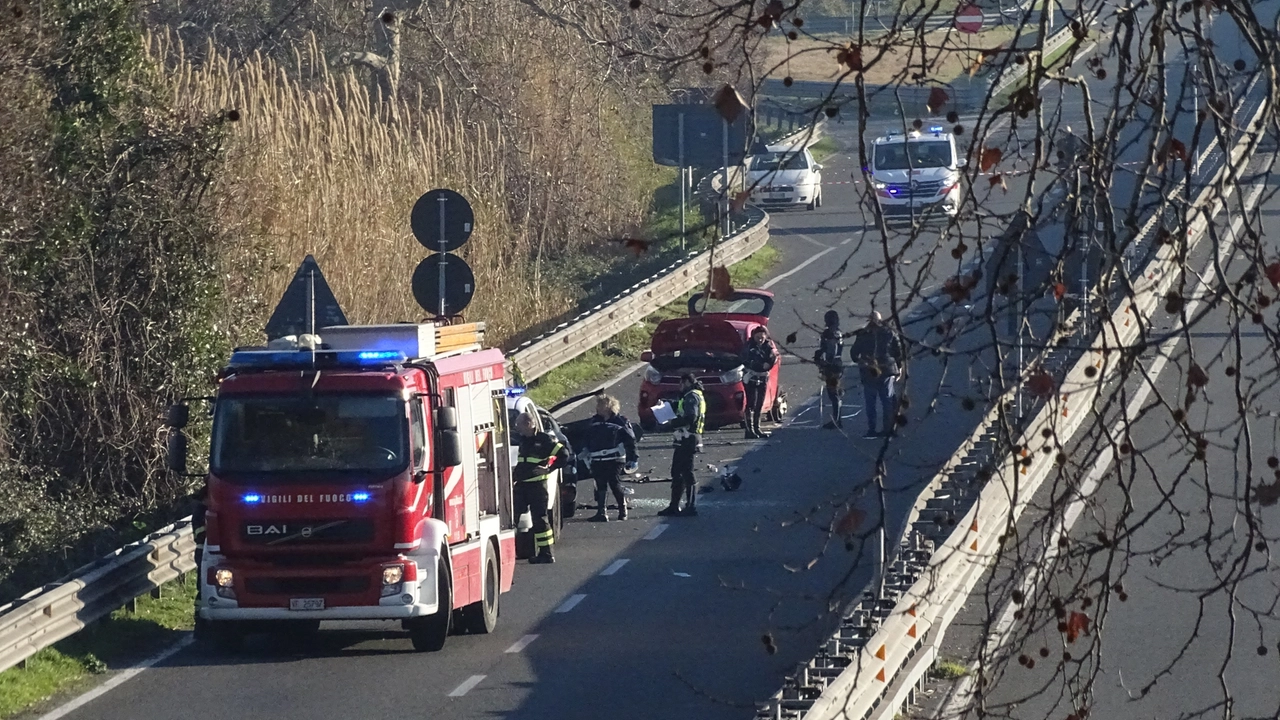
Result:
[
  {"x": 448, "y": 448},
  {"x": 178, "y": 416},
  {"x": 178, "y": 451},
  {"x": 446, "y": 418},
  {"x": 646, "y": 356}
]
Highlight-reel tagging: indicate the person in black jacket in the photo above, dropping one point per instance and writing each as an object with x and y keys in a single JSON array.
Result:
[
  {"x": 610, "y": 442},
  {"x": 758, "y": 358},
  {"x": 539, "y": 454},
  {"x": 878, "y": 351},
  {"x": 831, "y": 366},
  {"x": 691, "y": 412}
]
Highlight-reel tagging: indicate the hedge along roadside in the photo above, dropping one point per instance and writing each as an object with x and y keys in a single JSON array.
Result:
[{"x": 919, "y": 620}]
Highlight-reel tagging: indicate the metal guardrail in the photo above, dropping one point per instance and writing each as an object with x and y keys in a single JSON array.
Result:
[
  {"x": 60, "y": 609},
  {"x": 972, "y": 504},
  {"x": 965, "y": 94},
  {"x": 602, "y": 322}
]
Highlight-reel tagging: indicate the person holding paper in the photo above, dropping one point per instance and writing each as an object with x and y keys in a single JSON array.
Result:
[{"x": 691, "y": 414}]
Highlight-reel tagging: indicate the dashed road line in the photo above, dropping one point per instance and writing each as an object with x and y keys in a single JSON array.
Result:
[
  {"x": 467, "y": 685},
  {"x": 656, "y": 531},
  {"x": 522, "y": 643},
  {"x": 614, "y": 567},
  {"x": 570, "y": 604}
]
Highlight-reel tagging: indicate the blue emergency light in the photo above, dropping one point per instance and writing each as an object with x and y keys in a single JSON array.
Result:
[
  {"x": 515, "y": 391},
  {"x": 936, "y": 129},
  {"x": 252, "y": 498},
  {"x": 359, "y": 496},
  {"x": 283, "y": 359}
]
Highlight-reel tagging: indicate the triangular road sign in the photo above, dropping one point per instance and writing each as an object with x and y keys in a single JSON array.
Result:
[{"x": 308, "y": 296}]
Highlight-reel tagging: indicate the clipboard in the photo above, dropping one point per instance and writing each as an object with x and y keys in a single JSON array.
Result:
[{"x": 663, "y": 413}]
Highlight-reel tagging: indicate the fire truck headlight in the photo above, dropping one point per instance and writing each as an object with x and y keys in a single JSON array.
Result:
[
  {"x": 392, "y": 574},
  {"x": 224, "y": 578}
]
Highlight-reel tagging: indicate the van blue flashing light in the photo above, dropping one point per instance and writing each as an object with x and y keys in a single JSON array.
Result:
[
  {"x": 515, "y": 391},
  {"x": 936, "y": 129},
  {"x": 359, "y": 497},
  {"x": 252, "y": 498}
]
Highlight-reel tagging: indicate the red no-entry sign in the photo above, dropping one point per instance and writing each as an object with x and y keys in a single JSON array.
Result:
[{"x": 969, "y": 19}]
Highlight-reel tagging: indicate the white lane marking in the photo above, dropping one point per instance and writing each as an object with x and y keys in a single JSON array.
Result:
[
  {"x": 522, "y": 643},
  {"x": 466, "y": 686},
  {"x": 656, "y": 531},
  {"x": 958, "y": 706},
  {"x": 570, "y": 604},
  {"x": 617, "y": 379},
  {"x": 846, "y": 242},
  {"x": 614, "y": 567},
  {"x": 116, "y": 680},
  {"x": 779, "y": 278}
]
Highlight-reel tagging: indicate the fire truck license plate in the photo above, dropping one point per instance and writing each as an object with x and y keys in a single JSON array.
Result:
[{"x": 306, "y": 603}]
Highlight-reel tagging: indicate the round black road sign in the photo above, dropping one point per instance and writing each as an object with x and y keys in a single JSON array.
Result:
[
  {"x": 431, "y": 209},
  {"x": 459, "y": 284}
]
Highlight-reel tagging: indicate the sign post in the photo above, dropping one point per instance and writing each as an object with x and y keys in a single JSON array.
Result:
[{"x": 442, "y": 221}]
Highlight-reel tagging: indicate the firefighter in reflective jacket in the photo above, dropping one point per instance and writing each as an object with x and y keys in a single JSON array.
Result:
[
  {"x": 610, "y": 442},
  {"x": 691, "y": 412},
  {"x": 539, "y": 454}
]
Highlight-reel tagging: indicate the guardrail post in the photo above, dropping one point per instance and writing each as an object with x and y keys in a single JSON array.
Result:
[
  {"x": 131, "y": 605},
  {"x": 155, "y": 592}
]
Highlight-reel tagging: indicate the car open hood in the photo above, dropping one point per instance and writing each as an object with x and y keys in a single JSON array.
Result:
[{"x": 700, "y": 334}]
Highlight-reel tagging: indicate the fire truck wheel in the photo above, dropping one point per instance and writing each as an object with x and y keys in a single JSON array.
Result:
[
  {"x": 429, "y": 633},
  {"x": 226, "y": 637},
  {"x": 481, "y": 617}
]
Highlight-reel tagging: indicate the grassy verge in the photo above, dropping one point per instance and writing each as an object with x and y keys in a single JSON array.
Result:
[
  {"x": 122, "y": 638},
  {"x": 823, "y": 149},
  {"x": 602, "y": 362},
  {"x": 949, "y": 669},
  {"x": 1054, "y": 61}
]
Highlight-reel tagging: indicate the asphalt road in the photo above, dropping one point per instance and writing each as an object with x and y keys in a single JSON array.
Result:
[
  {"x": 1181, "y": 596},
  {"x": 655, "y": 618}
]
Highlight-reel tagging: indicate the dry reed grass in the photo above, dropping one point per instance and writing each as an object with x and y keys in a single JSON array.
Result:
[{"x": 313, "y": 167}]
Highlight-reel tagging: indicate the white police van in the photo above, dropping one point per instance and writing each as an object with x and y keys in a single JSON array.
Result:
[{"x": 916, "y": 175}]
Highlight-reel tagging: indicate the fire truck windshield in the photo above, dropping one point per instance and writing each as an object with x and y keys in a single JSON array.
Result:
[{"x": 320, "y": 433}]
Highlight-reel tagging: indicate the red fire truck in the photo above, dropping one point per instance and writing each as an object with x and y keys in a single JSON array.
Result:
[{"x": 367, "y": 478}]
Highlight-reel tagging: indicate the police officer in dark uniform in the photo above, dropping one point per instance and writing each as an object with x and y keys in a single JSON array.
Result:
[
  {"x": 539, "y": 454},
  {"x": 758, "y": 358},
  {"x": 831, "y": 366},
  {"x": 611, "y": 442},
  {"x": 691, "y": 413}
]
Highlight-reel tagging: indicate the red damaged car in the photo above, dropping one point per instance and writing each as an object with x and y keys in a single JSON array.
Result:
[{"x": 708, "y": 344}]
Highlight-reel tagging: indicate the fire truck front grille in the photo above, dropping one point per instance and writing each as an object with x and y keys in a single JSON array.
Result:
[
  {"x": 307, "y": 585},
  {"x": 306, "y": 532}
]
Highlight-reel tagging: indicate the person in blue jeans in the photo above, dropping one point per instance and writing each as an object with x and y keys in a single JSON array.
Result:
[{"x": 879, "y": 353}]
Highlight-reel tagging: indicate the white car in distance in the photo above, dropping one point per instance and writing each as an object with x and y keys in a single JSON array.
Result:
[{"x": 785, "y": 178}]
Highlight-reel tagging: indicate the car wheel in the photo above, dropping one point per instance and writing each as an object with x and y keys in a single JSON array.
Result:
[
  {"x": 525, "y": 545},
  {"x": 813, "y": 204},
  {"x": 429, "y": 633}
]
